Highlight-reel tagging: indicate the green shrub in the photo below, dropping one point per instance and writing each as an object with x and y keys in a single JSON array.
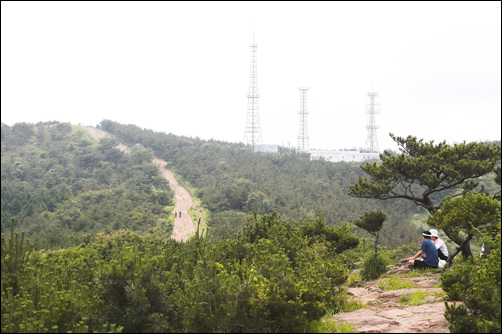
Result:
[
  {"x": 373, "y": 267},
  {"x": 269, "y": 278},
  {"x": 475, "y": 282}
]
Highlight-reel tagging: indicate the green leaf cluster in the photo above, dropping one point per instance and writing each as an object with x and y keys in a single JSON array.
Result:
[
  {"x": 372, "y": 222},
  {"x": 424, "y": 169},
  {"x": 472, "y": 214}
]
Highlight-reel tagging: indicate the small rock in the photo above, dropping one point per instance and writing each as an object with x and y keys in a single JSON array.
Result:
[
  {"x": 398, "y": 271},
  {"x": 357, "y": 292}
]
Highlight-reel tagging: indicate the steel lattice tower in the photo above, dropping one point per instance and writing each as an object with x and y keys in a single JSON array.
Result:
[
  {"x": 252, "y": 132},
  {"x": 303, "y": 136},
  {"x": 371, "y": 109}
]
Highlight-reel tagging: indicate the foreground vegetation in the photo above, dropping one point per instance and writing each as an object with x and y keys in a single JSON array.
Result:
[
  {"x": 272, "y": 277},
  {"x": 101, "y": 258}
]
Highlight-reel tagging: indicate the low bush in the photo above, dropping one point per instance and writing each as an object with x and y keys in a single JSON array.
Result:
[{"x": 373, "y": 267}]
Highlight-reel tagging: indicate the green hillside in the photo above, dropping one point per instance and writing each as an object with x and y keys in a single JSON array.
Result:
[
  {"x": 232, "y": 182},
  {"x": 61, "y": 184},
  {"x": 276, "y": 257}
]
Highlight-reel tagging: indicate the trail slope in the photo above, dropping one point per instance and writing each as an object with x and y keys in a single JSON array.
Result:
[{"x": 183, "y": 226}]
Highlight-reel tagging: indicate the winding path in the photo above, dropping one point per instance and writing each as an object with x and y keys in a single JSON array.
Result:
[{"x": 183, "y": 226}]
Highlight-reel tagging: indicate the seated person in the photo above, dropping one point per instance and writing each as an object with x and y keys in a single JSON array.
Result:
[
  {"x": 440, "y": 245},
  {"x": 428, "y": 252}
]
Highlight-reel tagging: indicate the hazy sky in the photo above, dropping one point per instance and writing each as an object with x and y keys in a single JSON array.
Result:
[{"x": 183, "y": 67}]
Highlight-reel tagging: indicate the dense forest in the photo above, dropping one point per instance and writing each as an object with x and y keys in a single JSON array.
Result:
[{"x": 275, "y": 258}]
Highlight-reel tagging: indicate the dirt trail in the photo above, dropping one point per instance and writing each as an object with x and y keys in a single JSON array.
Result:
[{"x": 183, "y": 226}]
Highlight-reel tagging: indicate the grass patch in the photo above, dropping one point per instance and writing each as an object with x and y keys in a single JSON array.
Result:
[
  {"x": 353, "y": 305},
  {"x": 326, "y": 325},
  {"x": 354, "y": 279},
  {"x": 414, "y": 299},
  {"x": 395, "y": 283},
  {"x": 419, "y": 298}
]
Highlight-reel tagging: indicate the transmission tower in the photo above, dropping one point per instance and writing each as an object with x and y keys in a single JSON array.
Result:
[
  {"x": 303, "y": 137},
  {"x": 371, "y": 109},
  {"x": 252, "y": 132}
]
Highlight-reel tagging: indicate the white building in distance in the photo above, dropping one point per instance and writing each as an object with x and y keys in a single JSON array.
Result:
[
  {"x": 265, "y": 148},
  {"x": 337, "y": 156}
]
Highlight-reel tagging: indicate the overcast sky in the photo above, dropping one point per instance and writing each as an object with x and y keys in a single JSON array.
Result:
[{"x": 183, "y": 67}]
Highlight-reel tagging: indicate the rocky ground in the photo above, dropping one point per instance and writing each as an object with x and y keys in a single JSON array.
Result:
[{"x": 385, "y": 313}]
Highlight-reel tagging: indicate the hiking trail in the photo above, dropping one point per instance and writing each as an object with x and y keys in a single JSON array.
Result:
[{"x": 184, "y": 227}]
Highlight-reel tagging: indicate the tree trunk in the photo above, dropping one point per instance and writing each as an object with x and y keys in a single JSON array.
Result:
[
  {"x": 376, "y": 242},
  {"x": 452, "y": 255},
  {"x": 466, "y": 248}
]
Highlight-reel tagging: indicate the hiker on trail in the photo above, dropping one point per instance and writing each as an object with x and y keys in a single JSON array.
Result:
[
  {"x": 179, "y": 214},
  {"x": 428, "y": 252},
  {"x": 175, "y": 214},
  {"x": 440, "y": 245}
]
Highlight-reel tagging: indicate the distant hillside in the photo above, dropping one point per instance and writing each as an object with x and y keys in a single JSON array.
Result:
[
  {"x": 56, "y": 179},
  {"x": 60, "y": 184},
  {"x": 232, "y": 182}
]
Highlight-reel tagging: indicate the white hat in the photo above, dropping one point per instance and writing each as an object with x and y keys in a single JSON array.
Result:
[{"x": 434, "y": 233}]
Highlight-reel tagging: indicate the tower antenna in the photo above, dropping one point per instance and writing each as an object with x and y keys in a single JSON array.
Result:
[
  {"x": 303, "y": 136},
  {"x": 371, "y": 109},
  {"x": 252, "y": 132}
]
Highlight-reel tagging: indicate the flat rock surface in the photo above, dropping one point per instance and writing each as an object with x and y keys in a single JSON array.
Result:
[
  {"x": 386, "y": 314},
  {"x": 427, "y": 318}
]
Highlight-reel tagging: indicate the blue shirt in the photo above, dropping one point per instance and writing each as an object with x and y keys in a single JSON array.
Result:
[{"x": 430, "y": 254}]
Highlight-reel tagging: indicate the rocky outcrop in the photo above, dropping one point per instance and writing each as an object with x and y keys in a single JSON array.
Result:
[
  {"x": 386, "y": 314},
  {"x": 427, "y": 318}
]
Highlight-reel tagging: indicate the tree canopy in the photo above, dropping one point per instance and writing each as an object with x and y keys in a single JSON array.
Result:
[
  {"x": 372, "y": 222},
  {"x": 425, "y": 173}
]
